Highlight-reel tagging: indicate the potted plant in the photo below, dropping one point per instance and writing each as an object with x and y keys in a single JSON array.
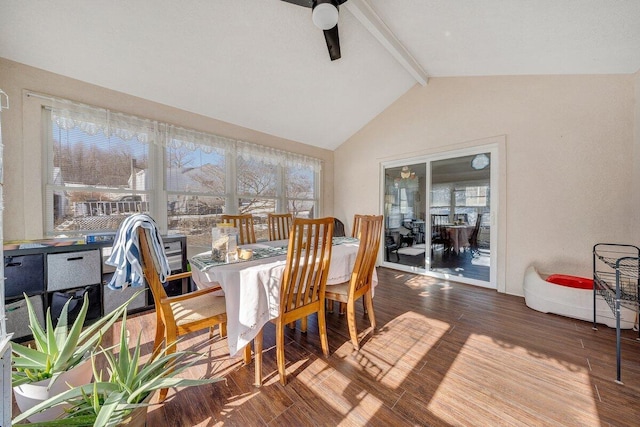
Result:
[
  {"x": 60, "y": 357},
  {"x": 124, "y": 397}
]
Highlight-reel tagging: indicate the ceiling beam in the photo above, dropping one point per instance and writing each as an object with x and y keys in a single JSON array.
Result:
[{"x": 372, "y": 22}]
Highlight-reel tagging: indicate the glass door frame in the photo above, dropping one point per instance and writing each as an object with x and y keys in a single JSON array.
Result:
[{"x": 496, "y": 147}]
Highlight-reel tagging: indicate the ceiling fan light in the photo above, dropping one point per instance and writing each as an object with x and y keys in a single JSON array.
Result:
[{"x": 325, "y": 16}]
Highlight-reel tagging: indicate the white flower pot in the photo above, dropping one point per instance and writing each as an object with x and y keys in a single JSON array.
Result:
[{"x": 29, "y": 395}]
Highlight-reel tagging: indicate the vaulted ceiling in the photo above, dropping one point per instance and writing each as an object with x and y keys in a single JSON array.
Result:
[{"x": 262, "y": 64}]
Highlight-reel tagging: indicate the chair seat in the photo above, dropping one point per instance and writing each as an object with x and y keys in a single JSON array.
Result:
[
  {"x": 340, "y": 289},
  {"x": 197, "y": 309}
]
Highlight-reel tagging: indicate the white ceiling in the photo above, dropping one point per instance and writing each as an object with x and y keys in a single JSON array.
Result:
[{"x": 262, "y": 64}]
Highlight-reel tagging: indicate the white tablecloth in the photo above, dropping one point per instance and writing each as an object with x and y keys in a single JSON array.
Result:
[
  {"x": 459, "y": 235},
  {"x": 252, "y": 288}
]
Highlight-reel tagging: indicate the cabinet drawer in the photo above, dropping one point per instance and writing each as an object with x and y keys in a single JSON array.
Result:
[
  {"x": 18, "y": 316},
  {"x": 106, "y": 253},
  {"x": 114, "y": 298},
  {"x": 23, "y": 273},
  {"x": 73, "y": 269},
  {"x": 58, "y": 299}
]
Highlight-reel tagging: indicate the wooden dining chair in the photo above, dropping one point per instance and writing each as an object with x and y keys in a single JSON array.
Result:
[
  {"x": 355, "y": 230},
  {"x": 279, "y": 225},
  {"x": 244, "y": 224},
  {"x": 183, "y": 314},
  {"x": 360, "y": 284},
  {"x": 303, "y": 283},
  {"x": 338, "y": 228}
]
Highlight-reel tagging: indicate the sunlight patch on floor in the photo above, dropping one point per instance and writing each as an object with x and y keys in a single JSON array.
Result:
[
  {"x": 484, "y": 361},
  {"x": 403, "y": 349}
]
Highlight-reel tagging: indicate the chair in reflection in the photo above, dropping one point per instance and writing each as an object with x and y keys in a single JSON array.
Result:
[
  {"x": 304, "y": 280},
  {"x": 244, "y": 224},
  {"x": 338, "y": 228},
  {"x": 473, "y": 239},
  {"x": 391, "y": 246},
  {"x": 439, "y": 233},
  {"x": 360, "y": 284},
  {"x": 279, "y": 226},
  {"x": 183, "y": 314}
]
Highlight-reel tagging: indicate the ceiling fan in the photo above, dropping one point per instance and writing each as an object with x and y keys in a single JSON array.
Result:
[{"x": 325, "y": 16}]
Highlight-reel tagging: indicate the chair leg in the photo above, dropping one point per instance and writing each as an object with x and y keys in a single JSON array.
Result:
[
  {"x": 170, "y": 348},
  {"x": 223, "y": 330},
  {"x": 303, "y": 325},
  {"x": 257, "y": 350},
  {"x": 280, "y": 353},
  {"x": 246, "y": 356},
  {"x": 328, "y": 305},
  {"x": 322, "y": 326},
  {"x": 367, "y": 299},
  {"x": 160, "y": 329},
  {"x": 351, "y": 321}
]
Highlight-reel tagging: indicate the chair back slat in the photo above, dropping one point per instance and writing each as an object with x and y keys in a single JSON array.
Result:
[
  {"x": 307, "y": 266},
  {"x": 279, "y": 226},
  {"x": 150, "y": 273},
  {"x": 355, "y": 230},
  {"x": 244, "y": 224},
  {"x": 370, "y": 235}
]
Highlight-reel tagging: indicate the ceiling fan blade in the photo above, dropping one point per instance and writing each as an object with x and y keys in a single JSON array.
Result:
[
  {"x": 333, "y": 42},
  {"x": 309, "y": 3},
  {"x": 304, "y": 3}
]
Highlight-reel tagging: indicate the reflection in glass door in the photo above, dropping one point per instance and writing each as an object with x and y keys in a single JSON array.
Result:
[
  {"x": 459, "y": 212},
  {"x": 404, "y": 209},
  {"x": 438, "y": 217}
]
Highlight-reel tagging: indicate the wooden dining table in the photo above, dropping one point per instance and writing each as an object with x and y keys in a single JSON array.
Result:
[{"x": 252, "y": 287}]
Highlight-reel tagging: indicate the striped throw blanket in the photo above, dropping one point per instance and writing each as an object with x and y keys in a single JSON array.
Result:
[{"x": 125, "y": 253}]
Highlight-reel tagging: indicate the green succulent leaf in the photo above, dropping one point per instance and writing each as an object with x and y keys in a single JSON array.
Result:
[
  {"x": 67, "y": 342},
  {"x": 130, "y": 383},
  {"x": 59, "y": 349}
]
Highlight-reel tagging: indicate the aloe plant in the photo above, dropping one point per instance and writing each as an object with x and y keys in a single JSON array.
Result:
[
  {"x": 108, "y": 403},
  {"x": 61, "y": 348}
]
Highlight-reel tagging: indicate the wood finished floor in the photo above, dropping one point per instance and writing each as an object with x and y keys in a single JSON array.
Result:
[{"x": 443, "y": 354}]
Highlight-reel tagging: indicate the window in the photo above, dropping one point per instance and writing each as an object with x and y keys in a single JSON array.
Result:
[
  {"x": 195, "y": 177},
  {"x": 300, "y": 184},
  {"x": 103, "y": 166},
  {"x": 97, "y": 170}
]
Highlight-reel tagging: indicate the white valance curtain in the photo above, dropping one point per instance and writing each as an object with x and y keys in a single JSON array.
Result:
[
  {"x": 177, "y": 137},
  {"x": 92, "y": 120},
  {"x": 272, "y": 156}
]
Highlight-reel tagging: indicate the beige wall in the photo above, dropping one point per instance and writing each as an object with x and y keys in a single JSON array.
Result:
[
  {"x": 569, "y": 157},
  {"x": 21, "y": 137},
  {"x": 635, "y": 228}
]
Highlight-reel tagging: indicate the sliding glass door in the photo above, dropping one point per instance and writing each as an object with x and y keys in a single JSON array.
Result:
[
  {"x": 438, "y": 216},
  {"x": 404, "y": 210},
  {"x": 459, "y": 214}
]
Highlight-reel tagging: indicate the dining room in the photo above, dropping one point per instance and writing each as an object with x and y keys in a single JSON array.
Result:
[{"x": 489, "y": 137}]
